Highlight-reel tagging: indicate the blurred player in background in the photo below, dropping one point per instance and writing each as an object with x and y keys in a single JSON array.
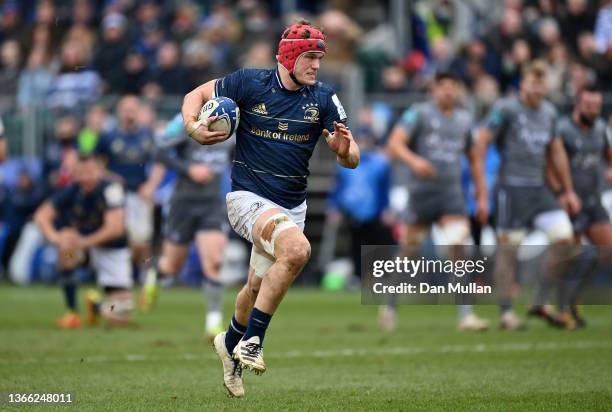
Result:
[
  {"x": 524, "y": 129},
  {"x": 88, "y": 216},
  {"x": 196, "y": 212},
  {"x": 431, "y": 139},
  {"x": 284, "y": 111},
  {"x": 589, "y": 146},
  {"x": 128, "y": 150}
]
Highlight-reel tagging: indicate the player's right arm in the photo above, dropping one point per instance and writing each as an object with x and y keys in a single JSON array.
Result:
[
  {"x": 398, "y": 148},
  {"x": 192, "y": 103}
]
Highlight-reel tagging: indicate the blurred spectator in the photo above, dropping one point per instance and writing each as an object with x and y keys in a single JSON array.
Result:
[
  {"x": 150, "y": 41},
  {"x": 184, "y": 25},
  {"x": 60, "y": 154},
  {"x": 441, "y": 55},
  {"x": 10, "y": 61},
  {"x": 41, "y": 38},
  {"x": 548, "y": 35},
  {"x": 259, "y": 56},
  {"x": 147, "y": 14},
  {"x": 558, "y": 73},
  {"x": 35, "y": 80},
  {"x": 95, "y": 120},
  {"x": 220, "y": 31},
  {"x": 342, "y": 36},
  {"x": 76, "y": 84},
  {"x": 502, "y": 36},
  {"x": 10, "y": 21},
  {"x": 83, "y": 13},
  {"x": 603, "y": 29},
  {"x": 112, "y": 50},
  {"x": 83, "y": 35},
  {"x": 136, "y": 73},
  {"x": 170, "y": 75},
  {"x": 394, "y": 79},
  {"x": 198, "y": 63},
  {"x": 512, "y": 63},
  {"x": 577, "y": 18}
]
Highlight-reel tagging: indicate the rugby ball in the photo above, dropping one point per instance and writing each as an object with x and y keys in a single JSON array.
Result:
[{"x": 227, "y": 112}]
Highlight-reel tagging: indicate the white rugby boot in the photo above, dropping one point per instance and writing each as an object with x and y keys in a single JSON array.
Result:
[
  {"x": 509, "y": 321},
  {"x": 250, "y": 355},
  {"x": 232, "y": 370},
  {"x": 473, "y": 323}
]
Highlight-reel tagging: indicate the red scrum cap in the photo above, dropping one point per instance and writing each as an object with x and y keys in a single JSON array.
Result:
[{"x": 297, "y": 39}]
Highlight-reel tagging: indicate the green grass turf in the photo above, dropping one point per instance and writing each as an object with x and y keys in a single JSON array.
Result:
[{"x": 323, "y": 352}]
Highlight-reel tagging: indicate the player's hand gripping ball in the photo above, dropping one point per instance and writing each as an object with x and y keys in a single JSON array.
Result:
[{"x": 226, "y": 112}]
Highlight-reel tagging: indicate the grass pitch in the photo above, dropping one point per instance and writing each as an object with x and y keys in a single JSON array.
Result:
[{"x": 323, "y": 352}]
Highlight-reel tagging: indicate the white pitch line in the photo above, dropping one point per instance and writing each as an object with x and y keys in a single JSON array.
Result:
[{"x": 406, "y": 351}]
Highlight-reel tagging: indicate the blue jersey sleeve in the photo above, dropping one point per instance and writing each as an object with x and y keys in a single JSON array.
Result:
[
  {"x": 232, "y": 86},
  {"x": 333, "y": 111}
]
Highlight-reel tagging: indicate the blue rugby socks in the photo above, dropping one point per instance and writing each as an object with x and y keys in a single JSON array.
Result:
[
  {"x": 235, "y": 331},
  {"x": 258, "y": 323}
]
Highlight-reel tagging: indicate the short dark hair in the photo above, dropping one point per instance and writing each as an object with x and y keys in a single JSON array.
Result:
[
  {"x": 447, "y": 75},
  {"x": 590, "y": 87}
]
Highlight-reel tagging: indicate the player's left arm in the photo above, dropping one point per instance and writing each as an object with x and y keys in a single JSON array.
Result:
[
  {"x": 342, "y": 143},
  {"x": 560, "y": 163}
]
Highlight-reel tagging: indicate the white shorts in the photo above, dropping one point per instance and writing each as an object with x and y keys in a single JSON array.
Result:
[
  {"x": 138, "y": 219},
  {"x": 113, "y": 267},
  {"x": 243, "y": 209}
]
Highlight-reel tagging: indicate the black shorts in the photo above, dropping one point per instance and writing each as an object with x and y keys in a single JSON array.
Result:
[
  {"x": 592, "y": 212},
  {"x": 517, "y": 206},
  {"x": 186, "y": 218},
  {"x": 426, "y": 208}
]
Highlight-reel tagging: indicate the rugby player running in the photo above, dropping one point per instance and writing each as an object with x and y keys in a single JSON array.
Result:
[{"x": 284, "y": 112}]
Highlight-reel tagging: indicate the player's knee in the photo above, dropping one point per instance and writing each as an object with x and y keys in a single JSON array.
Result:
[{"x": 298, "y": 253}]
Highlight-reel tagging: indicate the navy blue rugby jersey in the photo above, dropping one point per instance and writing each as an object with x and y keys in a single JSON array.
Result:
[
  {"x": 128, "y": 155},
  {"x": 85, "y": 211},
  {"x": 277, "y": 133}
]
